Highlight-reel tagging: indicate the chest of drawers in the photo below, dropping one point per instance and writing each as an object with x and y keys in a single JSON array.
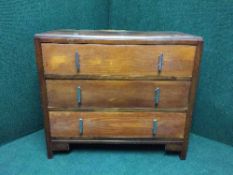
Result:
[{"x": 117, "y": 87}]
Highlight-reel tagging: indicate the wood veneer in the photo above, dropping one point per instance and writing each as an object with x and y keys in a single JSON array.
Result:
[
  {"x": 117, "y": 124},
  {"x": 96, "y": 59},
  {"x": 118, "y": 94}
]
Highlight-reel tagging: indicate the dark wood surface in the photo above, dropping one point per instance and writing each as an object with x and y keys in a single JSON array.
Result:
[
  {"x": 118, "y": 94},
  {"x": 109, "y": 62},
  {"x": 43, "y": 94},
  {"x": 78, "y": 140},
  {"x": 91, "y": 109},
  {"x": 117, "y": 124},
  {"x": 96, "y": 59},
  {"x": 192, "y": 94},
  {"x": 116, "y": 77}
]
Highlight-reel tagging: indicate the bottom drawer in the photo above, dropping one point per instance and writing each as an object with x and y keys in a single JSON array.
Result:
[{"x": 117, "y": 124}]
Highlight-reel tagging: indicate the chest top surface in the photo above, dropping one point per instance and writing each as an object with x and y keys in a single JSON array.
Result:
[{"x": 115, "y": 36}]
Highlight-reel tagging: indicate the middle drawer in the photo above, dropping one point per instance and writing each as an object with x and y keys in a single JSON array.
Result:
[{"x": 117, "y": 94}]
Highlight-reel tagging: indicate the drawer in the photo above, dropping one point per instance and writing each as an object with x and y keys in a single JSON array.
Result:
[
  {"x": 117, "y": 124},
  {"x": 117, "y": 94},
  {"x": 94, "y": 59}
]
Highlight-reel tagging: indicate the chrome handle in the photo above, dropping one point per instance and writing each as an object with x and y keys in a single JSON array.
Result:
[
  {"x": 77, "y": 61},
  {"x": 155, "y": 127},
  {"x": 79, "y": 95},
  {"x": 160, "y": 63},
  {"x": 81, "y": 126},
  {"x": 157, "y": 96}
]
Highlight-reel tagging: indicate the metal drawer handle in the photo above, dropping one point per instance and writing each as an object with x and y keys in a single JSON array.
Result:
[
  {"x": 77, "y": 61},
  {"x": 157, "y": 96},
  {"x": 79, "y": 95},
  {"x": 160, "y": 63},
  {"x": 155, "y": 127},
  {"x": 81, "y": 126}
]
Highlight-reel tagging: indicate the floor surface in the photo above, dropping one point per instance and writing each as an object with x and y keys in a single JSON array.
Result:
[{"x": 26, "y": 156}]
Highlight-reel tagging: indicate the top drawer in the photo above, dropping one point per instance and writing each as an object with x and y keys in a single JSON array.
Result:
[{"x": 96, "y": 59}]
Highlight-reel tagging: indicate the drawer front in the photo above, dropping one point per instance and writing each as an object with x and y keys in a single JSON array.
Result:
[
  {"x": 86, "y": 59},
  {"x": 117, "y": 94},
  {"x": 117, "y": 124}
]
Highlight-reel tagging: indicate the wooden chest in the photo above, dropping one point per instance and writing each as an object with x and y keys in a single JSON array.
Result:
[{"x": 117, "y": 87}]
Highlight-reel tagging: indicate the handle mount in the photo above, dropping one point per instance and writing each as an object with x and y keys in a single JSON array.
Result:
[
  {"x": 155, "y": 127},
  {"x": 77, "y": 62},
  {"x": 81, "y": 126},
  {"x": 160, "y": 63},
  {"x": 157, "y": 96},
  {"x": 79, "y": 95}
]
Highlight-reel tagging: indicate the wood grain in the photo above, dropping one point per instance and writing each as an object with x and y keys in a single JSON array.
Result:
[
  {"x": 117, "y": 124},
  {"x": 117, "y": 94},
  {"x": 118, "y": 59}
]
